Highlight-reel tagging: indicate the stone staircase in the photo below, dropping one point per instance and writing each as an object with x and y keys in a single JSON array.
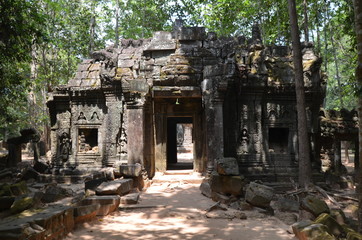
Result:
[{"x": 176, "y": 176}]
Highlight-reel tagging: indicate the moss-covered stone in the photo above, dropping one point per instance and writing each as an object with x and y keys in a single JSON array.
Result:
[
  {"x": 354, "y": 236},
  {"x": 314, "y": 206},
  {"x": 332, "y": 225},
  {"x": 21, "y": 205},
  {"x": 19, "y": 188}
]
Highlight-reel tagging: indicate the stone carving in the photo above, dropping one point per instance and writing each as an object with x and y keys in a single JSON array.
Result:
[
  {"x": 81, "y": 142},
  {"x": 65, "y": 147},
  {"x": 94, "y": 117},
  {"x": 244, "y": 141},
  {"x": 81, "y": 117},
  {"x": 122, "y": 142}
]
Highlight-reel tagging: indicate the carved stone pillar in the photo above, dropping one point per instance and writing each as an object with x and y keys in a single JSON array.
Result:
[
  {"x": 215, "y": 134},
  {"x": 136, "y": 133},
  {"x": 213, "y": 105}
]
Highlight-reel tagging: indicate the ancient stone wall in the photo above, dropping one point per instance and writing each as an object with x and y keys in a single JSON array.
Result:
[{"x": 239, "y": 94}]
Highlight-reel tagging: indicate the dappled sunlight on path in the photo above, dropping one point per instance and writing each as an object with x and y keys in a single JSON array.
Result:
[{"x": 176, "y": 211}]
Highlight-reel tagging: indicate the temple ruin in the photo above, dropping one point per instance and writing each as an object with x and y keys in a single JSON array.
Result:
[{"x": 235, "y": 96}]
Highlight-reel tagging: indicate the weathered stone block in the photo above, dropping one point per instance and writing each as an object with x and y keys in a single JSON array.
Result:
[
  {"x": 314, "y": 205},
  {"x": 85, "y": 213},
  {"x": 190, "y": 33},
  {"x": 259, "y": 195},
  {"x": 108, "y": 204},
  {"x": 307, "y": 230},
  {"x": 21, "y": 204},
  {"x": 227, "y": 166},
  {"x": 131, "y": 198},
  {"x": 125, "y": 63},
  {"x": 117, "y": 187},
  {"x": 29, "y": 173},
  {"x": 286, "y": 205},
  {"x": 332, "y": 225},
  {"x": 161, "y": 41},
  {"x": 218, "y": 197},
  {"x": 205, "y": 189},
  {"x": 227, "y": 184},
  {"x": 54, "y": 193},
  {"x": 130, "y": 170},
  {"x": 94, "y": 183}
]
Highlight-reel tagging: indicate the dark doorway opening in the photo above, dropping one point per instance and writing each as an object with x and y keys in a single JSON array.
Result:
[
  {"x": 278, "y": 140},
  {"x": 179, "y": 143}
]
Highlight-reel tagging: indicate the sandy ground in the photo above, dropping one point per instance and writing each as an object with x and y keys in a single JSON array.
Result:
[{"x": 177, "y": 211}]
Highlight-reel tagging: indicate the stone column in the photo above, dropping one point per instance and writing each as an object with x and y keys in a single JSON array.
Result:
[
  {"x": 215, "y": 132},
  {"x": 136, "y": 133}
]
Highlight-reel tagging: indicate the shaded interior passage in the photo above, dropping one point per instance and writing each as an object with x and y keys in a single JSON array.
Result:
[{"x": 179, "y": 143}]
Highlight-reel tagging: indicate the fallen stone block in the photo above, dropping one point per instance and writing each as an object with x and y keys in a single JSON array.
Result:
[
  {"x": 315, "y": 232},
  {"x": 55, "y": 193},
  {"x": 107, "y": 203},
  {"x": 131, "y": 198},
  {"x": 227, "y": 166},
  {"x": 16, "y": 231},
  {"x": 314, "y": 206},
  {"x": 332, "y": 225},
  {"x": 286, "y": 205},
  {"x": 117, "y": 187},
  {"x": 218, "y": 197},
  {"x": 29, "y": 173},
  {"x": 85, "y": 213},
  {"x": 205, "y": 189},
  {"x": 227, "y": 184},
  {"x": 108, "y": 173},
  {"x": 94, "y": 183},
  {"x": 130, "y": 170},
  {"x": 259, "y": 195},
  {"x": 21, "y": 204}
]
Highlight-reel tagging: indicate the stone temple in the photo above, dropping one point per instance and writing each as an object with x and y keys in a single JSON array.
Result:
[{"x": 234, "y": 96}]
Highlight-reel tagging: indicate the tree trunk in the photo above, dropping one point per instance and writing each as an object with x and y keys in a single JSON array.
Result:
[
  {"x": 117, "y": 25},
  {"x": 358, "y": 23},
  {"x": 306, "y": 30},
  {"x": 305, "y": 174}
]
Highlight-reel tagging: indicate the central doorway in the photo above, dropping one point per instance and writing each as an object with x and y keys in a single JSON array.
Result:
[{"x": 180, "y": 143}]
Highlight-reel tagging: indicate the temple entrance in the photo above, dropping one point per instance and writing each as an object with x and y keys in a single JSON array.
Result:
[{"x": 180, "y": 143}]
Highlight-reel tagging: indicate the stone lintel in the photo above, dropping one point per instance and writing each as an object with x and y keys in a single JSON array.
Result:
[{"x": 176, "y": 92}]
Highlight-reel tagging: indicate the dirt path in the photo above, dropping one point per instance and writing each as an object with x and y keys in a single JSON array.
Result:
[{"x": 179, "y": 215}]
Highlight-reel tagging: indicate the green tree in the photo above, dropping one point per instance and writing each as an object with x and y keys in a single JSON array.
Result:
[{"x": 21, "y": 26}]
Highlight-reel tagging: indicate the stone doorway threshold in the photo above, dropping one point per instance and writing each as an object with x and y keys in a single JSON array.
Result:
[{"x": 176, "y": 176}]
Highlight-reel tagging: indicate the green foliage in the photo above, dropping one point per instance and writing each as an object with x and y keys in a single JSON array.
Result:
[{"x": 20, "y": 27}]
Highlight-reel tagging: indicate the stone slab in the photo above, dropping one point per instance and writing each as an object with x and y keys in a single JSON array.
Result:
[{"x": 116, "y": 187}]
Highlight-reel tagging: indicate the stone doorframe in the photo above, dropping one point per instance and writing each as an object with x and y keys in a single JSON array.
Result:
[{"x": 186, "y": 102}]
